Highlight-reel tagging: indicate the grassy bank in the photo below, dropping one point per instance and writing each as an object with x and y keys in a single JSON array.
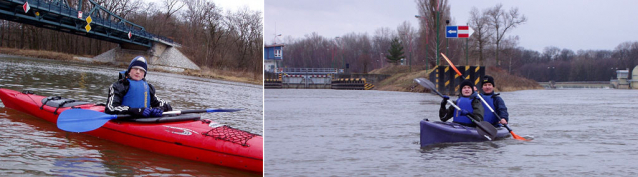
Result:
[
  {"x": 228, "y": 75},
  {"x": 403, "y": 80}
]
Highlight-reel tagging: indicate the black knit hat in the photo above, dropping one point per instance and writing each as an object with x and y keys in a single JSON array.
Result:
[
  {"x": 488, "y": 79},
  {"x": 137, "y": 62},
  {"x": 464, "y": 83}
]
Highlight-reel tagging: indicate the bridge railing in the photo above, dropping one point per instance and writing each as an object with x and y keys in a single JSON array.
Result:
[
  {"x": 122, "y": 24},
  {"x": 62, "y": 9}
]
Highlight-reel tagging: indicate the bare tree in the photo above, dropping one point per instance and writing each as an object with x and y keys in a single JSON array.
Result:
[
  {"x": 550, "y": 53},
  {"x": 381, "y": 43},
  {"x": 501, "y": 22},
  {"x": 566, "y": 55},
  {"x": 407, "y": 34},
  {"x": 432, "y": 13},
  {"x": 172, "y": 6},
  {"x": 245, "y": 27},
  {"x": 482, "y": 35},
  {"x": 119, "y": 7},
  {"x": 509, "y": 48}
]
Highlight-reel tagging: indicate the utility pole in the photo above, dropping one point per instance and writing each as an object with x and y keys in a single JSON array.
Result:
[{"x": 437, "y": 37}]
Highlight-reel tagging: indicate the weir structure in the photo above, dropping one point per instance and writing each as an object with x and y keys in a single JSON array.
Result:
[
  {"x": 447, "y": 81},
  {"x": 623, "y": 81},
  {"x": 99, "y": 23},
  {"x": 317, "y": 78}
]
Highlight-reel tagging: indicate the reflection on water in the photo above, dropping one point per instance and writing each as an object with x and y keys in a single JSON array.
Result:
[
  {"x": 579, "y": 132},
  {"x": 31, "y": 146}
]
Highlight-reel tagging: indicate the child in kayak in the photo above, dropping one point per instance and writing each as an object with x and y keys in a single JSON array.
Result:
[
  {"x": 133, "y": 95},
  {"x": 468, "y": 102},
  {"x": 494, "y": 101}
]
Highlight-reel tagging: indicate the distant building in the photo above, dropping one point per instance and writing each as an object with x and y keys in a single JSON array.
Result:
[
  {"x": 273, "y": 58},
  {"x": 623, "y": 81}
]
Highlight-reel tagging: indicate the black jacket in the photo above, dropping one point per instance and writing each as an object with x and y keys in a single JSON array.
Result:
[{"x": 117, "y": 92}]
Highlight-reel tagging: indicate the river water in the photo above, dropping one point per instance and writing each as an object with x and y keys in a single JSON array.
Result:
[
  {"x": 574, "y": 132},
  {"x": 31, "y": 146}
]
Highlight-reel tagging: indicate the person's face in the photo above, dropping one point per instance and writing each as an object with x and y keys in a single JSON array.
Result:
[
  {"x": 488, "y": 88},
  {"x": 136, "y": 74},
  {"x": 466, "y": 90}
]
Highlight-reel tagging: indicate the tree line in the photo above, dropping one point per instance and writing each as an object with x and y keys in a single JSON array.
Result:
[
  {"x": 209, "y": 36},
  {"x": 490, "y": 45}
]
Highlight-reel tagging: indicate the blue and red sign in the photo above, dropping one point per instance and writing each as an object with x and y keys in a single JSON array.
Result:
[{"x": 458, "y": 31}]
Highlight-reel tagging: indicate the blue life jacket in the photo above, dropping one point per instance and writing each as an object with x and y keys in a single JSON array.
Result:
[
  {"x": 464, "y": 103},
  {"x": 489, "y": 116},
  {"x": 138, "y": 95}
]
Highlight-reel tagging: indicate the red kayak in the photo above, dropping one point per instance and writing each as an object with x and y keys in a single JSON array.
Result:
[{"x": 194, "y": 139}]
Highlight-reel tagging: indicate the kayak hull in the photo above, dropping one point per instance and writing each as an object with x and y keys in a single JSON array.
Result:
[
  {"x": 199, "y": 140},
  {"x": 449, "y": 132}
]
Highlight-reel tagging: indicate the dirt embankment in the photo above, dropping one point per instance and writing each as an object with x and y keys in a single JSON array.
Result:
[
  {"x": 235, "y": 76},
  {"x": 403, "y": 80}
]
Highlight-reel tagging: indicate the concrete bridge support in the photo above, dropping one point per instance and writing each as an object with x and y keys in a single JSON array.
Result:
[{"x": 160, "y": 56}]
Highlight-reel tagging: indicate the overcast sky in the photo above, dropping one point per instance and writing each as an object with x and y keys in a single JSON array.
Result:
[
  {"x": 232, "y": 5},
  {"x": 571, "y": 24}
]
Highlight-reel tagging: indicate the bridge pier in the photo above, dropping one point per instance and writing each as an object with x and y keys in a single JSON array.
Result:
[{"x": 160, "y": 56}]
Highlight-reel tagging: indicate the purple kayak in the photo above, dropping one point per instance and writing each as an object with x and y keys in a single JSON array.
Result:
[{"x": 449, "y": 132}]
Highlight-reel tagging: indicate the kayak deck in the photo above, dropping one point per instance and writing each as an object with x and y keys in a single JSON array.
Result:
[{"x": 449, "y": 132}]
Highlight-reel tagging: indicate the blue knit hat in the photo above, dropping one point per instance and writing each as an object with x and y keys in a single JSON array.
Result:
[{"x": 137, "y": 62}]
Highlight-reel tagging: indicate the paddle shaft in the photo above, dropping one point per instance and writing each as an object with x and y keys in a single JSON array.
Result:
[
  {"x": 195, "y": 111},
  {"x": 489, "y": 107},
  {"x": 128, "y": 116}
]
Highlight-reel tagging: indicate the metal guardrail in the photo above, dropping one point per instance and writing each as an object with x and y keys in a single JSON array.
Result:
[
  {"x": 58, "y": 13},
  {"x": 122, "y": 24},
  {"x": 310, "y": 70}
]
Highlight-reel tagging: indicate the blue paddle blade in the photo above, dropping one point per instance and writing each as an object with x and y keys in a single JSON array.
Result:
[{"x": 82, "y": 120}]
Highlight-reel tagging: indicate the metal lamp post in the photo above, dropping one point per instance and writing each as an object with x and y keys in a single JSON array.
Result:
[{"x": 437, "y": 37}]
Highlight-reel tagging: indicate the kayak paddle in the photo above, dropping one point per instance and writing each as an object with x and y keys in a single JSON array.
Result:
[
  {"x": 84, "y": 120},
  {"x": 484, "y": 129},
  {"x": 499, "y": 118}
]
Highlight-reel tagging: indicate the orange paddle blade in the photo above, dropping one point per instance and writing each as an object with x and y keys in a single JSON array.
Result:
[
  {"x": 452, "y": 64},
  {"x": 518, "y": 137}
]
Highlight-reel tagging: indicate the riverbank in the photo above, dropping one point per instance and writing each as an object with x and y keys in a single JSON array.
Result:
[
  {"x": 227, "y": 75},
  {"x": 403, "y": 80}
]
